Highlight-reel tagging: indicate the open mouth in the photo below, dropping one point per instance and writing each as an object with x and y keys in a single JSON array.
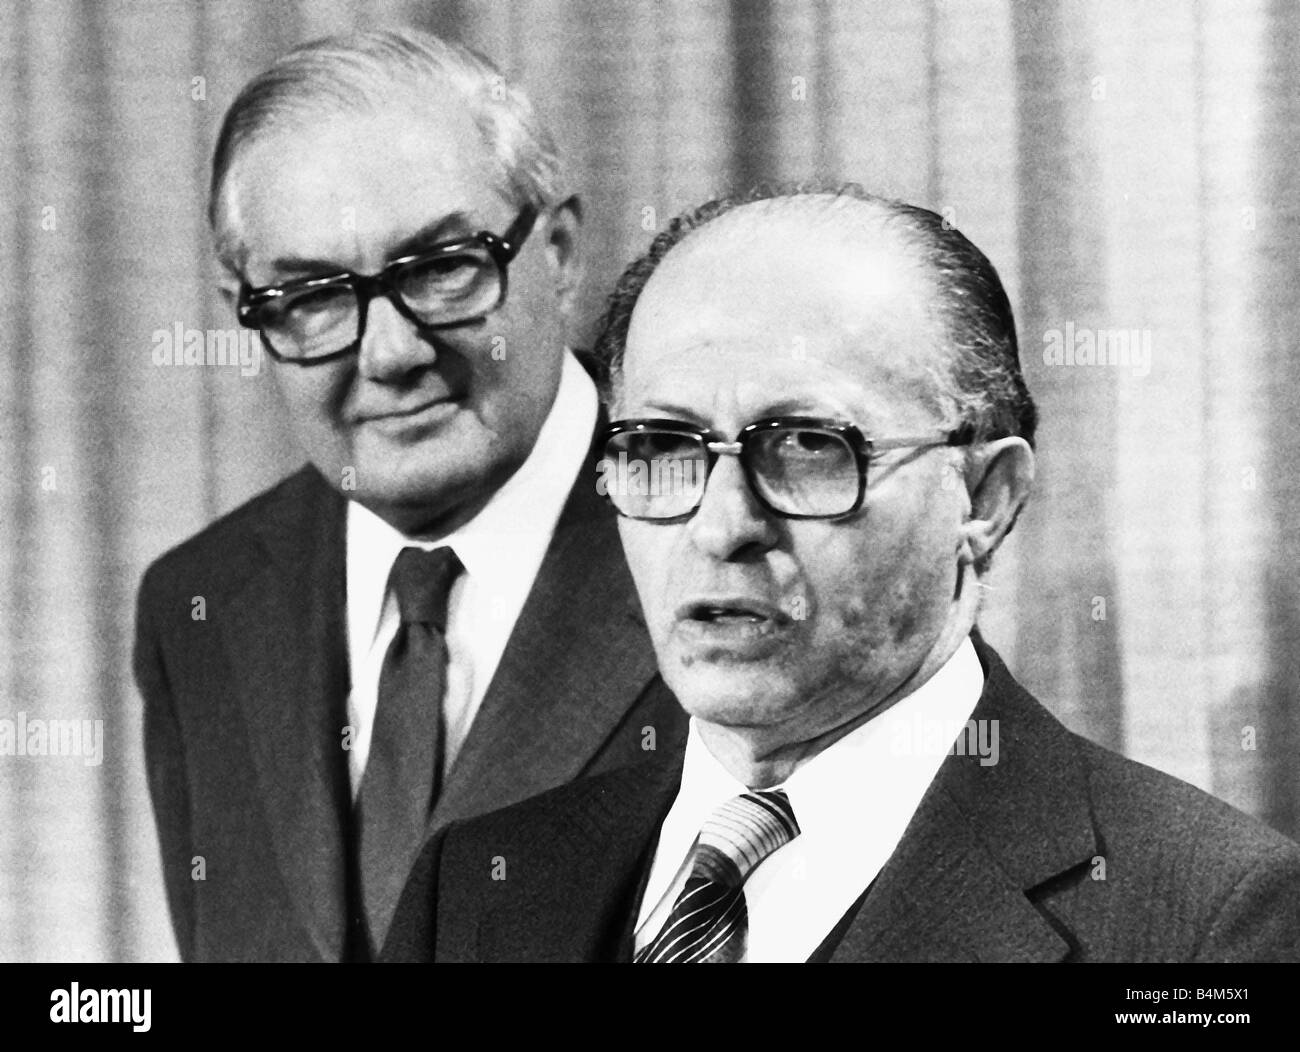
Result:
[
  {"x": 715, "y": 614},
  {"x": 732, "y": 628},
  {"x": 724, "y": 612}
]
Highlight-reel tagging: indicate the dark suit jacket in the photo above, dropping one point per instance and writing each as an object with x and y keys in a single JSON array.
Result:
[
  {"x": 245, "y": 710},
  {"x": 1000, "y": 863}
]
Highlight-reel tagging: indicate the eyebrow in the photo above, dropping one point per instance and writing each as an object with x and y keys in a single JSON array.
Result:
[
  {"x": 784, "y": 407},
  {"x": 668, "y": 410},
  {"x": 454, "y": 226},
  {"x": 804, "y": 407}
]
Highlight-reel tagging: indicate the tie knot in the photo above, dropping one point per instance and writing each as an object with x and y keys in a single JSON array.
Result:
[
  {"x": 421, "y": 580},
  {"x": 741, "y": 833}
]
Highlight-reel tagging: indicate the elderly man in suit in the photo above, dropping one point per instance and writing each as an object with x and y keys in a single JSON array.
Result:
[
  {"x": 433, "y": 618},
  {"x": 823, "y": 438}
]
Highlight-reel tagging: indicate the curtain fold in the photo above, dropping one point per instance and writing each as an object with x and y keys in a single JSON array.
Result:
[{"x": 1130, "y": 170}]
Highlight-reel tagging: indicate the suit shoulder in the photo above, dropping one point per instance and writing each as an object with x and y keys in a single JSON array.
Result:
[
  {"x": 1177, "y": 841},
  {"x": 1134, "y": 800},
  {"x": 214, "y": 545},
  {"x": 1186, "y": 876},
  {"x": 1131, "y": 863},
  {"x": 1132, "y": 806}
]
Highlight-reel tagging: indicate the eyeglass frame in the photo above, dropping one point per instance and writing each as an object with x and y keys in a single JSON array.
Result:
[
  {"x": 502, "y": 248},
  {"x": 715, "y": 446}
]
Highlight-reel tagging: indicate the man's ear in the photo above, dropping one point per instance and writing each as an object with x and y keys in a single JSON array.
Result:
[
  {"x": 564, "y": 249},
  {"x": 999, "y": 477}
]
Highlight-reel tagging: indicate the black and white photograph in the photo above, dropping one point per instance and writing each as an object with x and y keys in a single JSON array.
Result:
[{"x": 650, "y": 481}]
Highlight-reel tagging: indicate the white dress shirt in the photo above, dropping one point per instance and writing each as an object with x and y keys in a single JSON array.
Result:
[
  {"x": 501, "y": 550},
  {"x": 852, "y": 801}
]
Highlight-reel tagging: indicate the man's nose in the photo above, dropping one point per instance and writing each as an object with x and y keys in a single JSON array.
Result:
[
  {"x": 731, "y": 524},
  {"x": 392, "y": 346}
]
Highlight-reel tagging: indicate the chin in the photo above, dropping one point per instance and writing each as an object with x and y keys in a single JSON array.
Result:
[
  {"x": 431, "y": 475},
  {"x": 735, "y": 697},
  {"x": 409, "y": 499}
]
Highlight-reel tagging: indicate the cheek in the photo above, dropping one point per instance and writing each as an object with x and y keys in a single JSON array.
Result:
[
  {"x": 312, "y": 394},
  {"x": 846, "y": 582},
  {"x": 884, "y": 586},
  {"x": 512, "y": 366},
  {"x": 648, "y": 550},
  {"x": 531, "y": 317}
]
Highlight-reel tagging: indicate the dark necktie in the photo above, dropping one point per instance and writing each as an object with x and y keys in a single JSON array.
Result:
[
  {"x": 403, "y": 768},
  {"x": 709, "y": 922}
]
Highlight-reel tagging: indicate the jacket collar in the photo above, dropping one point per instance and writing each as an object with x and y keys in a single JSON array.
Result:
[
  {"x": 958, "y": 886},
  {"x": 286, "y": 642}
]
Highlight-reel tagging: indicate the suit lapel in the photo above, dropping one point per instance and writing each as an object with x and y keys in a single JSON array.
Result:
[
  {"x": 286, "y": 639},
  {"x": 581, "y": 902},
  {"x": 943, "y": 897},
  {"x": 957, "y": 886},
  {"x": 578, "y": 659}
]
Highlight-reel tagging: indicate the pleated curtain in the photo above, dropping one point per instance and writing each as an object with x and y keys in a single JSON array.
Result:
[{"x": 1129, "y": 168}]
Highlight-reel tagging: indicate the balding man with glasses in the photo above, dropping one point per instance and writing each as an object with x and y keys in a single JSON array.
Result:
[
  {"x": 433, "y": 618},
  {"x": 822, "y": 436}
]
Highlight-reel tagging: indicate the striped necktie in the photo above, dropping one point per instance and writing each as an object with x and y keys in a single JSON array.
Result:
[{"x": 709, "y": 922}]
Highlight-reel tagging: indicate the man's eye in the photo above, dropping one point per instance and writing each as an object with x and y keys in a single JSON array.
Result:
[
  {"x": 445, "y": 272},
  {"x": 318, "y": 299},
  {"x": 452, "y": 264},
  {"x": 657, "y": 446},
  {"x": 298, "y": 307},
  {"x": 811, "y": 444}
]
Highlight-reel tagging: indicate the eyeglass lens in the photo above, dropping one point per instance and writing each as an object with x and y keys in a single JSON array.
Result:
[
  {"x": 798, "y": 471},
  {"x": 437, "y": 290}
]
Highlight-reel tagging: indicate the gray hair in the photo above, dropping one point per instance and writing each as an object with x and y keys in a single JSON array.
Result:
[
  {"x": 360, "y": 71},
  {"x": 979, "y": 382}
]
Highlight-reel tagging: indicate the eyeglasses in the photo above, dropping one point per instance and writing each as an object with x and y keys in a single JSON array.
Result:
[
  {"x": 316, "y": 320},
  {"x": 797, "y": 467}
]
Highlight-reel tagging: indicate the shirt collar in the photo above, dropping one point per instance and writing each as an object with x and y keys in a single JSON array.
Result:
[
  {"x": 889, "y": 762},
  {"x": 503, "y": 544},
  {"x": 892, "y": 758}
]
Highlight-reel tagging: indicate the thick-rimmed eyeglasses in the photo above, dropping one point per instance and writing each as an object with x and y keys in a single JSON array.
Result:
[
  {"x": 314, "y": 320},
  {"x": 797, "y": 467}
]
